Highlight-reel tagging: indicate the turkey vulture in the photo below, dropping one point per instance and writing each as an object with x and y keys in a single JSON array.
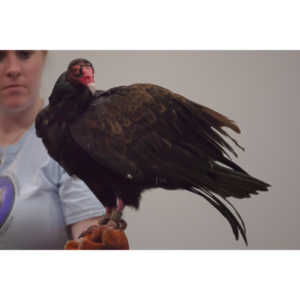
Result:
[{"x": 129, "y": 139}]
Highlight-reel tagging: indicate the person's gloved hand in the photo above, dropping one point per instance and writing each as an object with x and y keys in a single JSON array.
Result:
[{"x": 100, "y": 237}]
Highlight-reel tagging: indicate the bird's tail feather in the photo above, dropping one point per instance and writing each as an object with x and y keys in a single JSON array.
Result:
[
  {"x": 216, "y": 183},
  {"x": 232, "y": 183},
  {"x": 224, "y": 182},
  {"x": 232, "y": 216},
  {"x": 198, "y": 182}
]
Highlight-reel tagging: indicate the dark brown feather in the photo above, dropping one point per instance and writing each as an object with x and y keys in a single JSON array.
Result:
[{"x": 132, "y": 138}]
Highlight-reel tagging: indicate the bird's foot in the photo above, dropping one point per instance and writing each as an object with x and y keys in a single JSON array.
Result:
[
  {"x": 88, "y": 231},
  {"x": 104, "y": 219},
  {"x": 113, "y": 219},
  {"x": 116, "y": 218}
]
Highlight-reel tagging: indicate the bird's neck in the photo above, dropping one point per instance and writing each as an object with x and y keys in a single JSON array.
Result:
[{"x": 71, "y": 108}]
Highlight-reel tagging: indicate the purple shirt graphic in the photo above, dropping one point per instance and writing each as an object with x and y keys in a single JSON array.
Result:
[{"x": 7, "y": 198}]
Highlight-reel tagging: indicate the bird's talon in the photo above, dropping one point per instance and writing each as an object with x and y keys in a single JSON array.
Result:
[
  {"x": 87, "y": 231},
  {"x": 116, "y": 215},
  {"x": 104, "y": 219},
  {"x": 112, "y": 223},
  {"x": 122, "y": 224},
  {"x": 109, "y": 222}
]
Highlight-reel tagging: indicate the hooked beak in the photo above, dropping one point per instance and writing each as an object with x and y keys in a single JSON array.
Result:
[{"x": 92, "y": 88}]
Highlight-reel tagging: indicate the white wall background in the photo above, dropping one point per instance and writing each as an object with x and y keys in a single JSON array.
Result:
[{"x": 260, "y": 91}]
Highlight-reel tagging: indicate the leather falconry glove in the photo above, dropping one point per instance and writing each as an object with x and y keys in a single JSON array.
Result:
[{"x": 100, "y": 237}]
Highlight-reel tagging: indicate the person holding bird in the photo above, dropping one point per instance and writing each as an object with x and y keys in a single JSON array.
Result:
[{"x": 57, "y": 161}]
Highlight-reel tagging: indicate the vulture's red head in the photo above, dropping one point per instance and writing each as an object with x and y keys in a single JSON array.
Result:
[{"x": 81, "y": 72}]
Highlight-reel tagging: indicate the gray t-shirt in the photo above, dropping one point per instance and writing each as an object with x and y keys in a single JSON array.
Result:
[{"x": 38, "y": 198}]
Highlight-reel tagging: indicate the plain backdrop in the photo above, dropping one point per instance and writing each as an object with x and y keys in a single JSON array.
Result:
[{"x": 257, "y": 89}]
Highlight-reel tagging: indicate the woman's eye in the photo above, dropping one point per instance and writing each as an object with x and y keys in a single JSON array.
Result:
[
  {"x": 23, "y": 54},
  {"x": 2, "y": 54}
]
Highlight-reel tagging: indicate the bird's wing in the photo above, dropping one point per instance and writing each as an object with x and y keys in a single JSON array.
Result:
[
  {"x": 144, "y": 130},
  {"x": 126, "y": 126}
]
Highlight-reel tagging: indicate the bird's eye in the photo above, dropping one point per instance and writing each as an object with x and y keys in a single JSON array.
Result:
[
  {"x": 24, "y": 54},
  {"x": 76, "y": 71}
]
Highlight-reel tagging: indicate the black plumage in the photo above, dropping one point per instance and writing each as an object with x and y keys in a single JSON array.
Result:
[{"x": 128, "y": 139}]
